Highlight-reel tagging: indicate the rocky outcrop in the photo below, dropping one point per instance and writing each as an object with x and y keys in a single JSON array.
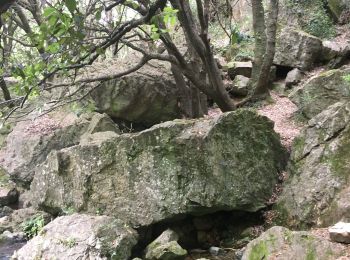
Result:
[
  {"x": 297, "y": 49},
  {"x": 81, "y": 237},
  {"x": 280, "y": 243},
  {"x": 317, "y": 192},
  {"x": 322, "y": 91},
  {"x": 147, "y": 96},
  {"x": 30, "y": 142},
  {"x": 178, "y": 167}
]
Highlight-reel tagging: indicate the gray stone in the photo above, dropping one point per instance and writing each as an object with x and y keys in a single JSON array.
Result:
[
  {"x": 340, "y": 232},
  {"x": 30, "y": 142},
  {"x": 322, "y": 91},
  {"x": 81, "y": 237},
  {"x": 240, "y": 68},
  {"x": 293, "y": 78},
  {"x": 165, "y": 247},
  {"x": 147, "y": 96},
  {"x": 159, "y": 173},
  {"x": 335, "y": 53},
  {"x": 240, "y": 86},
  {"x": 297, "y": 49},
  {"x": 280, "y": 243},
  {"x": 317, "y": 191}
]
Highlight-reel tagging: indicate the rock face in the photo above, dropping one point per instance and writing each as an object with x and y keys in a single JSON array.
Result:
[
  {"x": 81, "y": 237},
  {"x": 29, "y": 143},
  {"x": 280, "y": 243},
  {"x": 297, "y": 49},
  {"x": 178, "y": 167},
  {"x": 148, "y": 96},
  {"x": 317, "y": 192},
  {"x": 322, "y": 91}
]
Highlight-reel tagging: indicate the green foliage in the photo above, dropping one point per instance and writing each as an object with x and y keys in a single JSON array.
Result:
[
  {"x": 313, "y": 17},
  {"x": 320, "y": 25},
  {"x": 168, "y": 17},
  {"x": 346, "y": 78},
  {"x": 33, "y": 226},
  {"x": 69, "y": 242}
]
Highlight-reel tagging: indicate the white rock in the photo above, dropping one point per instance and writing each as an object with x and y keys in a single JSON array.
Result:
[{"x": 340, "y": 232}]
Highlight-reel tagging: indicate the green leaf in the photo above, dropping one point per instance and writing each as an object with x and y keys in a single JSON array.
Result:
[
  {"x": 49, "y": 11},
  {"x": 71, "y": 5},
  {"x": 53, "y": 48},
  {"x": 98, "y": 14}
]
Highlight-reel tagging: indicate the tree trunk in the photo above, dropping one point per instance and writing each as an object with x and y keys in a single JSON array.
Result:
[
  {"x": 4, "y": 88},
  {"x": 265, "y": 43},
  {"x": 198, "y": 40}
]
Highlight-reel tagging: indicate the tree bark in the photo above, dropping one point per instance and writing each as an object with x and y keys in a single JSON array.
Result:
[
  {"x": 265, "y": 43},
  {"x": 198, "y": 39},
  {"x": 4, "y": 88}
]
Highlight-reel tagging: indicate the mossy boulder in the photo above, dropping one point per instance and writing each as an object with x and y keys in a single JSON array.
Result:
[
  {"x": 178, "y": 167},
  {"x": 322, "y": 91},
  {"x": 81, "y": 237},
  {"x": 317, "y": 192},
  {"x": 280, "y": 243}
]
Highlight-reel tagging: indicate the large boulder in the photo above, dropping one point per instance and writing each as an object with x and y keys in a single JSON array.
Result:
[
  {"x": 322, "y": 91},
  {"x": 81, "y": 237},
  {"x": 318, "y": 191},
  {"x": 178, "y": 167},
  {"x": 147, "y": 96},
  {"x": 280, "y": 243},
  {"x": 297, "y": 49},
  {"x": 29, "y": 143}
]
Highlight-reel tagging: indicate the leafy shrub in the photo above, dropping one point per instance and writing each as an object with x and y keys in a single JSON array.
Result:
[
  {"x": 312, "y": 17},
  {"x": 33, "y": 226}
]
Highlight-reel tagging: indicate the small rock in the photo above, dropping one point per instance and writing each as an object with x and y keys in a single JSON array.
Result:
[
  {"x": 239, "y": 86},
  {"x": 215, "y": 251},
  {"x": 340, "y": 232},
  {"x": 165, "y": 247},
  {"x": 293, "y": 78}
]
